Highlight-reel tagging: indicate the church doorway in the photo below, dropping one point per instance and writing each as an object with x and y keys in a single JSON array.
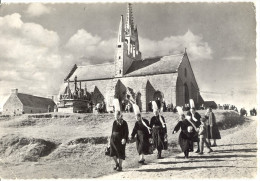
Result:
[
  {"x": 158, "y": 98},
  {"x": 186, "y": 94},
  {"x": 138, "y": 100},
  {"x": 157, "y": 94}
]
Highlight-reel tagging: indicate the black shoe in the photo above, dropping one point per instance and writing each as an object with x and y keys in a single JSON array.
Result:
[
  {"x": 141, "y": 161},
  {"x": 197, "y": 151},
  {"x": 115, "y": 167},
  {"x": 119, "y": 169},
  {"x": 159, "y": 156}
]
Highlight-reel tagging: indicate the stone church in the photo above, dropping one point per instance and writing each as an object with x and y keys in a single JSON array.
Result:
[{"x": 130, "y": 78}]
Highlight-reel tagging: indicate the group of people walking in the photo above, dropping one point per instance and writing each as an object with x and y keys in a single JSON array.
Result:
[
  {"x": 153, "y": 135},
  {"x": 195, "y": 128}
]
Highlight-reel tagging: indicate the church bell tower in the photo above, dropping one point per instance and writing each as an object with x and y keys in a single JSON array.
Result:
[{"x": 127, "y": 49}]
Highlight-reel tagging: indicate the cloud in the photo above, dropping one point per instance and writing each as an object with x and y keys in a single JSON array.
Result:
[
  {"x": 37, "y": 9},
  {"x": 30, "y": 57},
  {"x": 90, "y": 49},
  {"x": 33, "y": 60},
  {"x": 233, "y": 58},
  {"x": 197, "y": 49}
]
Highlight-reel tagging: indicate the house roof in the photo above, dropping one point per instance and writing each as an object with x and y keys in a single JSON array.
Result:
[
  {"x": 209, "y": 103},
  {"x": 93, "y": 72},
  {"x": 156, "y": 65},
  {"x": 34, "y": 101}
]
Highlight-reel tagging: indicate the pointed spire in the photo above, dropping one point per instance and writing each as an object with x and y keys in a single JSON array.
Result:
[
  {"x": 121, "y": 33},
  {"x": 129, "y": 26}
]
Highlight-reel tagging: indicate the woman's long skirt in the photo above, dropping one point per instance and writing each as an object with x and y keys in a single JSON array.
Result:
[
  {"x": 116, "y": 147},
  {"x": 213, "y": 132},
  {"x": 142, "y": 143},
  {"x": 186, "y": 144},
  {"x": 158, "y": 138}
]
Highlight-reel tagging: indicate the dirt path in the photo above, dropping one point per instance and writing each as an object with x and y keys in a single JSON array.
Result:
[{"x": 234, "y": 157}]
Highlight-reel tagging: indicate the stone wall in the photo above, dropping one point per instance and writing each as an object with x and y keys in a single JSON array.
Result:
[
  {"x": 143, "y": 88},
  {"x": 189, "y": 79},
  {"x": 32, "y": 110},
  {"x": 13, "y": 106},
  {"x": 122, "y": 60},
  {"x": 148, "y": 85},
  {"x": 180, "y": 96}
]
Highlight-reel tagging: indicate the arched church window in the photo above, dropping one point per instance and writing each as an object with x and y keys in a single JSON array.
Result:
[
  {"x": 119, "y": 71},
  {"x": 185, "y": 72},
  {"x": 119, "y": 57}
]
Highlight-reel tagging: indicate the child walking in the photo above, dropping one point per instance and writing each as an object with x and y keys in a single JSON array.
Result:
[{"x": 202, "y": 136}]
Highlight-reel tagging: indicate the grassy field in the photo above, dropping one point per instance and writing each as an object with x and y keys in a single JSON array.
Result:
[{"x": 72, "y": 145}]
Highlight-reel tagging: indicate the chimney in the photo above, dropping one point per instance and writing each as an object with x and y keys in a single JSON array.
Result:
[{"x": 14, "y": 91}]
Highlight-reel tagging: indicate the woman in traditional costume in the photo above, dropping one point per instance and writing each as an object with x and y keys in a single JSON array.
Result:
[
  {"x": 195, "y": 118},
  {"x": 212, "y": 127},
  {"x": 186, "y": 135},
  {"x": 118, "y": 138},
  {"x": 143, "y": 132},
  {"x": 159, "y": 131}
]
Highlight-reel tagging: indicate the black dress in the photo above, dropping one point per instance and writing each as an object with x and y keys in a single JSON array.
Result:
[
  {"x": 158, "y": 133},
  {"x": 212, "y": 127},
  {"x": 185, "y": 138},
  {"x": 142, "y": 139},
  {"x": 119, "y": 132},
  {"x": 196, "y": 123},
  {"x": 197, "y": 116}
]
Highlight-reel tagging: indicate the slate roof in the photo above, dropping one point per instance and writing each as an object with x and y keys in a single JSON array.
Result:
[
  {"x": 34, "y": 101},
  {"x": 94, "y": 72},
  {"x": 148, "y": 66},
  {"x": 210, "y": 103},
  {"x": 156, "y": 65}
]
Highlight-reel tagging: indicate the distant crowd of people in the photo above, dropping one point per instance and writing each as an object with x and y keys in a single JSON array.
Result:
[{"x": 127, "y": 106}]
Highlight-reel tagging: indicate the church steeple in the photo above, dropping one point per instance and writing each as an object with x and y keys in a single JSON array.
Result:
[
  {"x": 121, "y": 31},
  {"x": 127, "y": 49},
  {"x": 129, "y": 26},
  {"x": 137, "y": 41}
]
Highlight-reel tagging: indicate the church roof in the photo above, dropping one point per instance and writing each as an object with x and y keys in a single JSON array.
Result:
[
  {"x": 156, "y": 65},
  {"x": 94, "y": 72},
  {"x": 34, "y": 101},
  {"x": 148, "y": 66}
]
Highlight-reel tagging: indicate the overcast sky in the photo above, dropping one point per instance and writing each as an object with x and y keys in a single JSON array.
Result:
[{"x": 39, "y": 43}]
